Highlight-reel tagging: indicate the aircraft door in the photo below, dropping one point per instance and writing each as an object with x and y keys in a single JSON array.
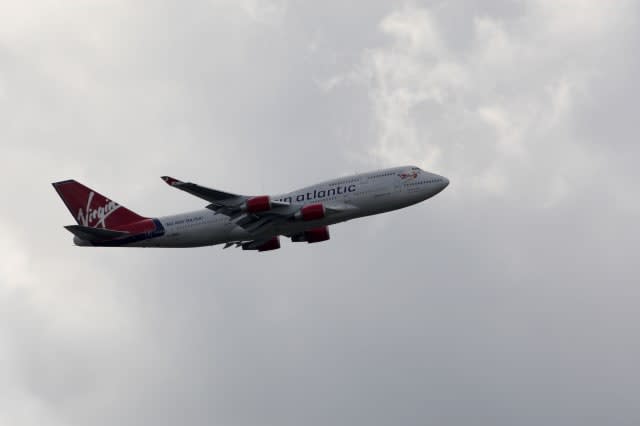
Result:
[{"x": 397, "y": 185}]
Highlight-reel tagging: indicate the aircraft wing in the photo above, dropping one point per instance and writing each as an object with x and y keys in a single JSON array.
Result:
[
  {"x": 211, "y": 195},
  {"x": 232, "y": 205}
]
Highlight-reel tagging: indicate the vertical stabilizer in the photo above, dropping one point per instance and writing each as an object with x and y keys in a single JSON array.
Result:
[{"x": 92, "y": 209}]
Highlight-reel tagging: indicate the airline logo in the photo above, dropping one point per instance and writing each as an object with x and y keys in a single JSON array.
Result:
[
  {"x": 408, "y": 175},
  {"x": 95, "y": 216}
]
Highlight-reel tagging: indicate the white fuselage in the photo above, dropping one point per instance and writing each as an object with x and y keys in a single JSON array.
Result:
[{"x": 355, "y": 196}]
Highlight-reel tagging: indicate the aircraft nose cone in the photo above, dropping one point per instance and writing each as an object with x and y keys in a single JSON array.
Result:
[
  {"x": 445, "y": 182},
  {"x": 441, "y": 183}
]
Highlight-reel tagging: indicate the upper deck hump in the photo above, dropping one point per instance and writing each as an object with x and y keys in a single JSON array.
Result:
[{"x": 349, "y": 179}]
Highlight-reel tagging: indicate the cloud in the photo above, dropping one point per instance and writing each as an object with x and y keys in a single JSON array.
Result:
[
  {"x": 515, "y": 287},
  {"x": 504, "y": 108},
  {"x": 266, "y": 12}
]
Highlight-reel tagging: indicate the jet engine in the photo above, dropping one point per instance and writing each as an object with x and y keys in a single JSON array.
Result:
[
  {"x": 311, "y": 212},
  {"x": 314, "y": 235},
  {"x": 271, "y": 244},
  {"x": 257, "y": 204}
]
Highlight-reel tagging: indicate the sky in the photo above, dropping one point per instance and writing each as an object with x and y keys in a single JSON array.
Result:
[{"x": 509, "y": 298}]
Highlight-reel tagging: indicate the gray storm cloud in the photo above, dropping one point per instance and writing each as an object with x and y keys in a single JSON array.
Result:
[{"x": 511, "y": 298}]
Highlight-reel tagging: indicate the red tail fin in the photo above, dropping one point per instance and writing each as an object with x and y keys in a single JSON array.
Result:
[{"x": 90, "y": 208}]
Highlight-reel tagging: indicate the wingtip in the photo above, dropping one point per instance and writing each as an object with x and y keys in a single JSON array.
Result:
[
  {"x": 62, "y": 182},
  {"x": 171, "y": 181}
]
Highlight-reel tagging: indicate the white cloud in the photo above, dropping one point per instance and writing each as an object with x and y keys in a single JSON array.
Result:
[
  {"x": 271, "y": 12},
  {"x": 532, "y": 235},
  {"x": 508, "y": 98},
  {"x": 414, "y": 31}
]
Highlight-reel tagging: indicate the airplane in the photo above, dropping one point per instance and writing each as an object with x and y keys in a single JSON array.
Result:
[{"x": 249, "y": 222}]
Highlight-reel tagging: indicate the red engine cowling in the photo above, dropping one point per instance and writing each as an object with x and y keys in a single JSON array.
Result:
[
  {"x": 316, "y": 235},
  {"x": 257, "y": 204},
  {"x": 311, "y": 212},
  {"x": 272, "y": 244}
]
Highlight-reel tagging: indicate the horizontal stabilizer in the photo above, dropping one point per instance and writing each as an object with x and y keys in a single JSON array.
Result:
[{"x": 94, "y": 234}]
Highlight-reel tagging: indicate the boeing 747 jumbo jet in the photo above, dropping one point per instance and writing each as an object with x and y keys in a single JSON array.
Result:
[{"x": 250, "y": 222}]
